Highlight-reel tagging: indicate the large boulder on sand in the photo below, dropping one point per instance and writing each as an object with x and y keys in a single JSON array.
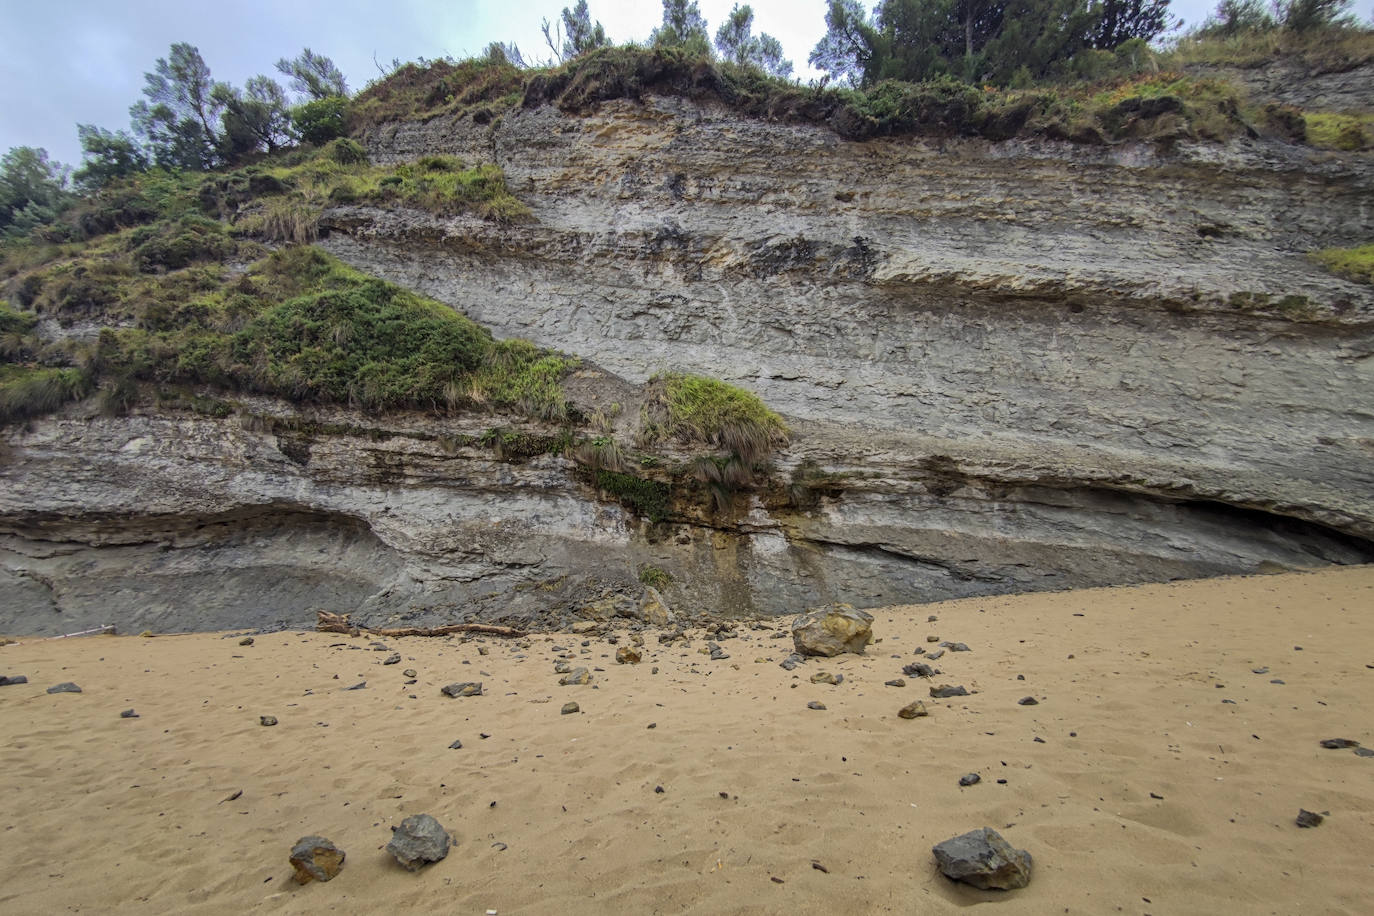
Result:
[
  {"x": 418, "y": 841},
  {"x": 983, "y": 859},
  {"x": 831, "y": 630}
]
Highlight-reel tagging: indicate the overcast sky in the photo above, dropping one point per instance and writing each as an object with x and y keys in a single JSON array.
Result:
[{"x": 82, "y": 61}]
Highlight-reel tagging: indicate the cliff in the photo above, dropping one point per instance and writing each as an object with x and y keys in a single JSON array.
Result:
[{"x": 1007, "y": 366}]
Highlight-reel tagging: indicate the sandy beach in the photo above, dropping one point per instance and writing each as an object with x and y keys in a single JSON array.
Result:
[{"x": 1175, "y": 738}]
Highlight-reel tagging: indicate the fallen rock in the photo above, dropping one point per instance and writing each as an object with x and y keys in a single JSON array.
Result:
[
  {"x": 653, "y": 609},
  {"x": 628, "y": 655},
  {"x": 418, "y": 841},
  {"x": 790, "y": 662},
  {"x": 918, "y": 669},
  {"x": 128, "y": 714},
  {"x": 392, "y": 659},
  {"x": 944, "y": 690},
  {"x": 833, "y": 630},
  {"x": 825, "y": 677},
  {"x": 464, "y": 689},
  {"x": 1332, "y": 743},
  {"x": 576, "y": 677},
  {"x": 65, "y": 687},
  {"x": 1028, "y": 701},
  {"x": 1364, "y": 752},
  {"x": 246, "y": 641},
  {"x": 1308, "y": 818},
  {"x": 457, "y": 745},
  {"x": 570, "y": 708},
  {"x": 267, "y": 720},
  {"x": 315, "y": 859},
  {"x": 983, "y": 859},
  {"x": 956, "y": 647},
  {"x": 913, "y": 710},
  {"x": 895, "y": 682},
  {"x": 815, "y": 704},
  {"x": 409, "y": 672},
  {"x": 16, "y": 679},
  {"x": 972, "y": 779}
]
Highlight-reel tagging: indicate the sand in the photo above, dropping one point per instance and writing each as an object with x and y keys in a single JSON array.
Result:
[{"x": 1150, "y": 794}]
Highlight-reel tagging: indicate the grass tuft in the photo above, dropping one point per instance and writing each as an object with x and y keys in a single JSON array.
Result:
[{"x": 1355, "y": 263}]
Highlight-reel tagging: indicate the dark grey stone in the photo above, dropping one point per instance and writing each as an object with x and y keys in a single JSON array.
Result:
[
  {"x": 128, "y": 714},
  {"x": 918, "y": 669},
  {"x": 791, "y": 661},
  {"x": 65, "y": 687},
  {"x": 464, "y": 689},
  {"x": 16, "y": 679},
  {"x": 1331, "y": 743},
  {"x": 972, "y": 779},
  {"x": 1309, "y": 818},
  {"x": 956, "y": 647},
  {"x": 944, "y": 690},
  {"x": 418, "y": 841},
  {"x": 983, "y": 859},
  {"x": 1028, "y": 701}
]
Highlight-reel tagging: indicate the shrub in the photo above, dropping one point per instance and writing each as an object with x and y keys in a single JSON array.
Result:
[
  {"x": 345, "y": 151},
  {"x": 691, "y": 408},
  {"x": 26, "y": 393},
  {"x": 173, "y": 245},
  {"x": 321, "y": 120}
]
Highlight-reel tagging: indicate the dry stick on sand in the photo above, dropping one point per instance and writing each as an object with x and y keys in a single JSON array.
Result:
[{"x": 338, "y": 623}]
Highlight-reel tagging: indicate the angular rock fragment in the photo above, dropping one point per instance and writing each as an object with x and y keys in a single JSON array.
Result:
[
  {"x": 832, "y": 630},
  {"x": 790, "y": 662},
  {"x": 825, "y": 677},
  {"x": 815, "y": 704},
  {"x": 315, "y": 859},
  {"x": 464, "y": 689},
  {"x": 913, "y": 710},
  {"x": 1308, "y": 818},
  {"x": 570, "y": 708},
  {"x": 895, "y": 682},
  {"x": 14, "y": 679},
  {"x": 576, "y": 677},
  {"x": 267, "y": 720},
  {"x": 971, "y": 779},
  {"x": 419, "y": 840},
  {"x": 628, "y": 655},
  {"x": 945, "y": 690},
  {"x": 64, "y": 687},
  {"x": 918, "y": 669},
  {"x": 983, "y": 859},
  {"x": 1028, "y": 701}
]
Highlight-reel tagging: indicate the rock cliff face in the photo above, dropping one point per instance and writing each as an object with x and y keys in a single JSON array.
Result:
[{"x": 1007, "y": 366}]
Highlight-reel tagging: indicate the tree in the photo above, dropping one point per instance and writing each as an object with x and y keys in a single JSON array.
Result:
[
  {"x": 851, "y": 40},
  {"x": 33, "y": 190},
  {"x": 179, "y": 122},
  {"x": 313, "y": 75},
  {"x": 736, "y": 43},
  {"x": 580, "y": 33},
  {"x": 683, "y": 27},
  {"x": 254, "y": 119},
  {"x": 321, "y": 120},
  {"x": 1232, "y": 17},
  {"x": 106, "y": 157},
  {"x": 1122, "y": 20},
  {"x": 1307, "y": 15}
]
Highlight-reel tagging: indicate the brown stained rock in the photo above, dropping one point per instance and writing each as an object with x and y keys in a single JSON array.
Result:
[
  {"x": 315, "y": 859},
  {"x": 832, "y": 630},
  {"x": 628, "y": 655},
  {"x": 577, "y": 676},
  {"x": 913, "y": 710}
]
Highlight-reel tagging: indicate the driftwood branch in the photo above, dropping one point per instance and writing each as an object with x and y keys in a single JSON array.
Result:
[
  {"x": 338, "y": 623},
  {"x": 97, "y": 631}
]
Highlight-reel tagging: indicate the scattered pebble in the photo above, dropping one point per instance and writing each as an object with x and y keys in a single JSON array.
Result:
[
  {"x": 825, "y": 677},
  {"x": 392, "y": 659},
  {"x": 815, "y": 704},
  {"x": 456, "y": 745},
  {"x": 570, "y": 708},
  {"x": 970, "y": 779},
  {"x": 246, "y": 641},
  {"x": 913, "y": 710},
  {"x": 464, "y": 689},
  {"x": 1028, "y": 701},
  {"x": 945, "y": 690},
  {"x": 65, "y": 687},
  {"x": 16, "y": 679},
  {"x": 895, "y": 682},
  {"x": 128, "y": 714},
  {"x": 267, "y": 720},
  {"x": 1339, "y": 743},
  {"x": 576, "y": 677},
  {"x": 1308, "y": 818},
  {"x": 410, "y": 672}
]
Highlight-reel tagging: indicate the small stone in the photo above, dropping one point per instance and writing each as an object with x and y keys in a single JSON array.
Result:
[
  {"x": 267, "y": 720},
  {"x": 456, "y": 745},
  {"x": 315, "y": 859},
  {"x": 409, "y": 672},
  {"x": 361, "y": 685},
  {"x": 561, "y": 667},
  {"x": 815, "y": 704},
  {"x": 895, "y": 682},
  {"x": 418, "y": 841},
  {"x": 628, "y": 655},
  {"x": 64, "y": 687},
  {"x": 1331, "y": 743},
  {"x": 392, "y": 659},
  {"x": 1308, "y": 818},
  {"x": 658, "y": 790},
  {"x": 832, "y": 630},
  {"x": 825, "y": 677},
  {"x": 913, "y": 710},
  {"x": 463, "y": 689},
  {"x": 945, "y": 690},
  {"x": 983, "y": 859},
  {"x": 790, "y": 662},
  {"x": 16, "y": 679},
  {"x": 483, "y": 650},
  {"x": 1364, "y": 752},
  {"x": 918, "y": 669},
  {"x": 956, "y": 647},
  {"x": 570, "y": 708},
  {"x": 718, "y": 654},
  {"x": 971, "y": 779},
  {"x": 576, "y": 677},
  {"x": 246, "y": 641},
  {"x": 932, "y": 639},
  {"x": 936, "y": 654},
  {"x": 1259, "y": 670},
  {"x": 128, "y": 714},
  {"x": 1028, "y": 701}
]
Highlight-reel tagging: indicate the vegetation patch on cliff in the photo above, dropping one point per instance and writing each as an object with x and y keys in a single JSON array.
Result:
[
  {"x": 694, "y": 409},
  {"x": 1356, "y": 263}
]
